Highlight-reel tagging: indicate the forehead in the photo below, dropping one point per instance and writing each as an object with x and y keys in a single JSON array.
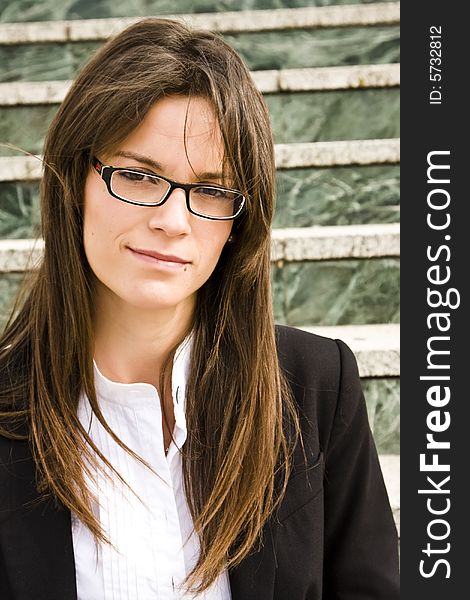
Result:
[
  {"x": 176, "y": 116},
  {"x": 177, "y": 131}
]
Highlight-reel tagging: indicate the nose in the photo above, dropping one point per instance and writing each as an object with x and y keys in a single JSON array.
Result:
[{"x": 172, "y": 216}]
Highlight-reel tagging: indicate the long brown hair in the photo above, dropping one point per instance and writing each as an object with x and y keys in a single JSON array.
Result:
[{"x": 237, "y": 455}]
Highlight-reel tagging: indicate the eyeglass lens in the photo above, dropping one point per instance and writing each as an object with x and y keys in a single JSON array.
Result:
[{"x": 149, "y": 189}]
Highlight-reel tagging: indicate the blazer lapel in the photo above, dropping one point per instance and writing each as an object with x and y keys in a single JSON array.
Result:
[{"x": 36, "y": 536}]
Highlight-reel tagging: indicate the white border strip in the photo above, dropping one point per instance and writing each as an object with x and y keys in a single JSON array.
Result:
[
  {"x": 294, "y": 244},
  {"x": 336, "y": 242},
  {"x": 352, "y": 15},
  {"x": 390, "y": 464},
  {"x": 376, "y": 347},
  {"x": 285, "y": 80},
  {"x": 20, "y": 168},
  {"x": 288, "y": 156},
  {"x": 327, "y": 78},
  {"x": 338, "y": 153},
  {"x": 17, "y": 256},
  {"x": 20, "y": 93}
]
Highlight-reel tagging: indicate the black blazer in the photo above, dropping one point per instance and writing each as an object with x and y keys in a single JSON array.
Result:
[{"x": 333, "y": 536}]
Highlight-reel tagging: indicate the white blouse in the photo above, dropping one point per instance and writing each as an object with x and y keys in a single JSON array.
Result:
[{"x": 151, "y": 529}]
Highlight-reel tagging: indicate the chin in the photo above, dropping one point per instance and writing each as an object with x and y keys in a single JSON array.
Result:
[{"x": 160, "y": 302}]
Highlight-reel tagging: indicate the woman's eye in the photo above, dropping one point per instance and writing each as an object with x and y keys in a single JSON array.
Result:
[
  {"x": 212, "y": 192},
  {"x": 136, "y": 177},
  {"x": 132, "y": 175}
]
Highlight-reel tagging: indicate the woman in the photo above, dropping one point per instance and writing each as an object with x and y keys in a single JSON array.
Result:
[{"x": 160, "y": 437}]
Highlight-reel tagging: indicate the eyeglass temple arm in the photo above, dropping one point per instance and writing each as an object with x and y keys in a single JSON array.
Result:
[{"x": 97, "y": 165}]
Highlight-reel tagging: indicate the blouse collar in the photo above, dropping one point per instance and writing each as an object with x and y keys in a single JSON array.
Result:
[{"x": 142, "y": 394}]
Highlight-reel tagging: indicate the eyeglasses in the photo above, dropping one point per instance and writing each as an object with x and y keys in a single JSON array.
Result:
[{"x": 143, "y": 189}]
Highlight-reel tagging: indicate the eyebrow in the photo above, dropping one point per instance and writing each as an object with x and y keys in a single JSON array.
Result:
[{"x": 145, "y": 160}]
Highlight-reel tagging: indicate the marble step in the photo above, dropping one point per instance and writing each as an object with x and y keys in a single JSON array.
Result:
[
  {"x": 295, "y": 244},
  {"x": 380, "y": 13},
  {"x": 326, "y": 78},
  {"x": 288, "y": 156},
  {"x": 270, "y": 81},
  {"x": 337, "y": 153},
  {"x": 336, "y": 242}
]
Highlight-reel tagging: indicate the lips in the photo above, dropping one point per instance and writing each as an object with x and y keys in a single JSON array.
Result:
[{"x": 170, "y": 258}]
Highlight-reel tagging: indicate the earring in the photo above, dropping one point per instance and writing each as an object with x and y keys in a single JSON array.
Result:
[{"x": 231, "y": 238}]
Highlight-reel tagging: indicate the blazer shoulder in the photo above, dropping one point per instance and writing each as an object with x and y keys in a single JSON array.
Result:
[
  {"x": 308, "y": 359},
  {"x": 323, "y": 376}
]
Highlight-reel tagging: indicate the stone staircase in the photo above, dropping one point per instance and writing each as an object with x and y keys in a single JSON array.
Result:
[{"x": 330, "y": 76}]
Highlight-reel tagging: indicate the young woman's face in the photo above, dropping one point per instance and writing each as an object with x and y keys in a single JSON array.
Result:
[{"x": 158, "y": 257}]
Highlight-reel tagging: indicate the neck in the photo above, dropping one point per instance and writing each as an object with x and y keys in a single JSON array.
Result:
[{"x": 131, "y": 343}]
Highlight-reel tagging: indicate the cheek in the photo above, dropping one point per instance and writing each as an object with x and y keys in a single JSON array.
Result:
[
  {"x": 96, "y": 225},
  {"x": 104, "y": 217},
  {"x": 213, "y": 238},
  {"x": 92, "y": 201},
  {"x": 99, "y": 222},
  {"x": 95, "y": 230}
]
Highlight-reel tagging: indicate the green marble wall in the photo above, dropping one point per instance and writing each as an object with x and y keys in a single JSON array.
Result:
[
  {"x": 9, "y": 284},
  {"x": 317, "y": 293},
  {"x": 42, "y": 62},
  {"x": 275, "y": 50},
  {"x": 306, "y": 117},
  {"x": 29, "y": 10},
  {"x": 383, "y": 407},
  {"x": 382, "y": 394},
  {"x": 318, "y": 47},
  {"x": 272, "y": 50},
  {"x": 337, "y": 292},
  {"x": 305, "y": 293},
  {"x": 19, "y": 210},
  {"x": 336, "y": 196},
  {"x": 24, "y": 127},
  {"x": 335, "y": 115}
]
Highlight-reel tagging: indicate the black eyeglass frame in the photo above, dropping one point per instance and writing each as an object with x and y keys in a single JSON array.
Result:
[{"x": 106, "y": 172}]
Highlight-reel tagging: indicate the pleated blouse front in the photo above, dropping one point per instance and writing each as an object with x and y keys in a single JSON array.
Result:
[{"x": 150, "y": 526}]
